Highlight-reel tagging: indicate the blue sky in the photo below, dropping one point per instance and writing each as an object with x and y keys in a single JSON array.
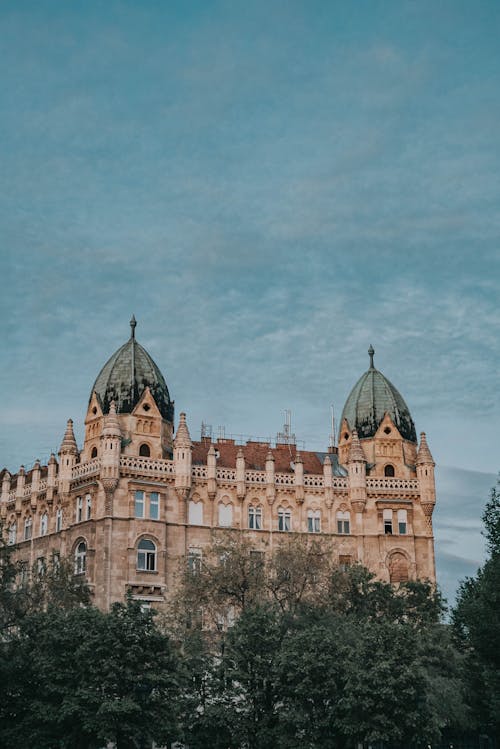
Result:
[{"x": 269, "y": 187}]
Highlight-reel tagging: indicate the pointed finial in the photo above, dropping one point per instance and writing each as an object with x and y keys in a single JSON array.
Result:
[
  {"x": 371, "y": 354},
  {"x": 133, "y": 323}
]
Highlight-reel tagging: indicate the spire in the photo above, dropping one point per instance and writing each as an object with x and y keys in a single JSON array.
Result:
[
  {"x": 356, "y": 453},
  {"x": 133, "y": 324},
  {"x": 68, "y": 445},
  {"x": 424, "y": 454},
  {"x": 182, "y": 437},
  {"x": 111, "y": 423},
  {"x": 371, "y": 354}
]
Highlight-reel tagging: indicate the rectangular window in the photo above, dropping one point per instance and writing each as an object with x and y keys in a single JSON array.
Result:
[
  {"x": 41, "y": 567},
  {"x": 12, "y": 534},
  {"x": 387, "y": 522},
  {"x": 194, "y": 561},
  {"x": 79, "y": 509},
  {"x": 255, "y": 518},
  {"x": 313, "y": 522},
  {"x": 28, "y": 524},
  {"x": 24, "y": 573},
  {"x": 344, "y": 562},
  {"x": 284, "y": 520},
  {"x": 402, "y": 522},
  {"x": 343, "y": 523},
  {"x": 256, "y": 559},
  {"x": 225, "y": 515},
  {"x": 139, "y": 504},
  {"x": 56, "y": 561},
  {"x": 58, "y": 520},
  {"x": 195, "y": 513},
  {"x": 154, "y": 506},
  {"x": 88, "y": 507}
]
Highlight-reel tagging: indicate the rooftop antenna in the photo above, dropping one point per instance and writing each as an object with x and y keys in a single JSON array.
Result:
[
  {"x": 206, "y": 431},
  {"x": 332, "y": 424},
  {"x": 221, "y": 432},
  {"x": 286, "y": 437}
]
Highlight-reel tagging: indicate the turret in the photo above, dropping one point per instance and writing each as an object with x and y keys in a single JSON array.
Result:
[
  {"x": 35, "y": 484},
  {"x": 111, "y": 438},
  {"x": 6, "y": 486},
  {"x": 328, "y": 480},
  {"x": 356, "y": 467},
  {"x": 299, "y": 478},
  {"x": 240, "y": 474},
  {"x": 212, "y": 472},
  {"x": 425, "y": 474},
  {"x": 270, "y": 487},
  {"x": 68, "y": 453},
  {"x": 183, "y": 449},
  {"x": 51, "y": 477},
  {"x": 21, "y": 481}
]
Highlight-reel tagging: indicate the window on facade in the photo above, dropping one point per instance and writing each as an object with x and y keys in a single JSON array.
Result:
[
  {"x": 88, "y": 507},
  {"x": 225, "y": 515},
  {"x": 284, "y": 519},
  {"x": 56, "y": 561},
  {"x": 79, "y": 509},
  {"x": 314, "y": 521},
  {"x": 194, "y": 560},
  {"x": 345, "y": 561},
  {"x": 44, "y": 524},
  {"x": 389, "y": 470},
  {"x": 80, "y": 558},
  {"x": 41, "y": 566},
  {"x": 139, "y": 504},
  {"x": 195, "y": 513},
  {"x": 144, "y": 451},
  {"x": 23, "y": 573},
  {"x": 154, "y": 505},
  {"x": 402, "y": 522},
  {"x": 59, "y": 517},
  {"x": 255, "y": 518},
  {"x": 146, "y": 555},
  {"x": 387, "y": 522},
  {"x": 28, "y": 528},
  {"x": 93, "y": 454},
  {"x": 256, "y": 559},
  {"x": 12, "y": 535},
  {"x": 398, "y": 568},
  {"x": 343, "y": 522}
]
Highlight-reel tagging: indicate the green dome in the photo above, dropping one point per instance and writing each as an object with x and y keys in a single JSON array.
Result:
[
  {"x": 126, "y": 375},
  {"x": 370, "y": 399}
]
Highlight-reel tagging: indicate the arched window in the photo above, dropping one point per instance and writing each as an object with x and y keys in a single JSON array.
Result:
[
  {"x": 314, "y": 521},
  {"x": 398, "y": 568},
  {"x": 255, "y": 518},
  {"x": 284, "y": 519},
  {"x": 12, "y": 537},
  {"x": 144, "y": 451},
  {"x": 93, "y": 454},
  {"x": 343, "y": 522},
  {"x": 44, "y": 524},
  {"x": 389, "y": 470},
  {"x": 195, "y": 512},
  {"x": 81, "y": 558},
  {"x": 28, "y": 528},
  {"x": 225, "y": 515},
  {"x": 146, "y": 555}
]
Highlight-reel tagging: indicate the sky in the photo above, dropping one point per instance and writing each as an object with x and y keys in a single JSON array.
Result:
[{"x": 270, "y": 187}]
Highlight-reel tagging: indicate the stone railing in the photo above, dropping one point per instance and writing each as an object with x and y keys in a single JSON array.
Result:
[
  {"x": 313, "y": 480},
  {"x": 393, "y": 483},
  {"x": 81, "y": 470},
  {"x": 284, "y": 479},
  {"x": 199, "y": 472},
  {"x": 255, "y": 477},
  {"x": 226, "y": 474},
  {"x": 42, "y": 486},
  {"x": 339, "y": 482},
  {"x": 147, "y": 466}
]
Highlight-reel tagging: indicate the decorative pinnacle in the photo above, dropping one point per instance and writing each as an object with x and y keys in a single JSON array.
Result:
[
  {"x": 133, "y": 324},
  {"x": 371, "y": 354}
]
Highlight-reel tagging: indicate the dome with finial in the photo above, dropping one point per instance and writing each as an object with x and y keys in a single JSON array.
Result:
[
  {"x": 127, "y": 374},
  {"x": 370, "y": 399}
]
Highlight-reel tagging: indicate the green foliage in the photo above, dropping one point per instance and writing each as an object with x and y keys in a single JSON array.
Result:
[{"x": 476, "y": 622}]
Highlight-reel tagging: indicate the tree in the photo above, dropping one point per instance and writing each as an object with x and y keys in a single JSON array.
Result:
[
  {"x": 80, "y": 677},
  {"x": 476, "y": 621}
]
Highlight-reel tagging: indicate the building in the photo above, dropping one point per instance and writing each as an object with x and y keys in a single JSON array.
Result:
[{"x": 138, "y": 498}]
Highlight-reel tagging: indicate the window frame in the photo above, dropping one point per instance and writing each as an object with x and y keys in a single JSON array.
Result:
[
  {"x": 343, "y": 518},
  {"x": 154, "y": 504},
  {"x": 194, "y": 560},
  {"x": 139, "y": 501},
  {"x": 195, "y": 517},
  {"x": 79, "y": 510},
  {"x": 28, "y": 528},
  {"x": 284, "y": 520},
  {"x": 12, "y": 533},
  {"x": 80, "y": 557},
  {"x": 59, "y": 519},
  {"x": 388, "y": 522},
  {"x": 255, "y": 517},
  {"x": 314, "y": 521},
  {"x": 402, "y": 520},
  {"x": 225, "y": 508},
  {"x": 148, "y": 554},
  {"x": 88, "y": 506}
]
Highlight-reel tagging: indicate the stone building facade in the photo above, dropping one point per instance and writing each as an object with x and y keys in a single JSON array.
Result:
[{"x": 137, "y": 498}]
